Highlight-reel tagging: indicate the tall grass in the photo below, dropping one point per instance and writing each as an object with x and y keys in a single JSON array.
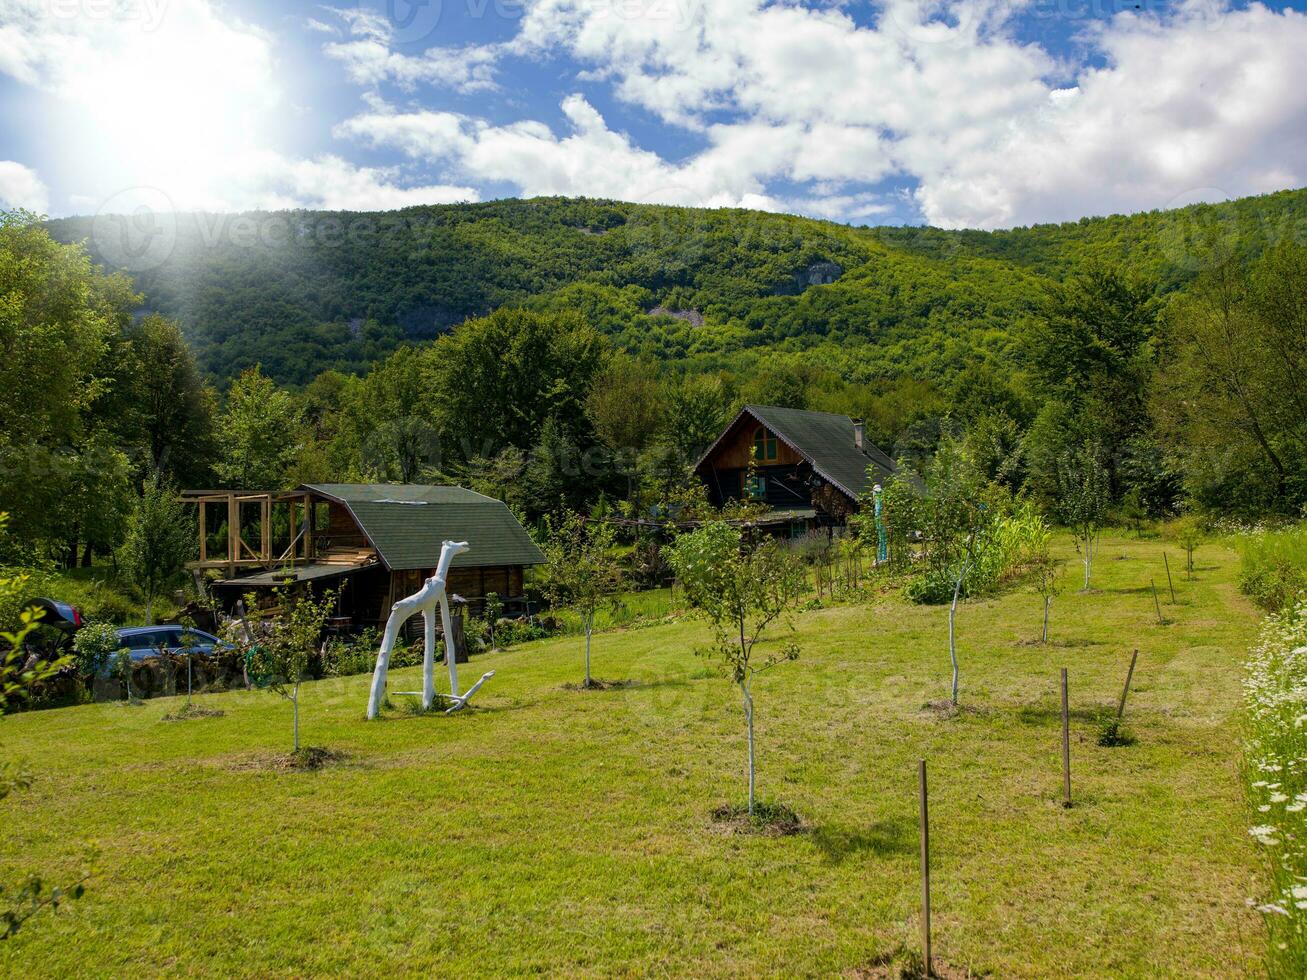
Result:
[
  {"x": 1275, "y": 691},
  {"x": 1273, "y": 567}
]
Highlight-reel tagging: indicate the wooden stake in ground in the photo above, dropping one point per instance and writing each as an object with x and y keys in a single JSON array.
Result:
[
  {"x": 1157, "y": 603},
  {"x": 1066, "y": 745},
  {"x": 1120, "y": 710},
  {"x": 925, "y": 870},
  {"x": 1171, "y": 584}
]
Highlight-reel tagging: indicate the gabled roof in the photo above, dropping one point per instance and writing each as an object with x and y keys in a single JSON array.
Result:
[
  {"x": 407, "y": 523},
  {"x": 824, "y": 439}
]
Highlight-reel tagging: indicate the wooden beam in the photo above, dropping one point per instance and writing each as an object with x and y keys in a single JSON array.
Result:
[
  {"x": 204, "y": 535},
  {"x": 265, "y": 529},
  {"x": 233, "y": 530}
]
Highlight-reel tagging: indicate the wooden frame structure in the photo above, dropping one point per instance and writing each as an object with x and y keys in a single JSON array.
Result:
[{"x": 240, "y": 553}]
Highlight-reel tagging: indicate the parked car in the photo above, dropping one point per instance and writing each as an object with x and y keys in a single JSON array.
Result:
[{"x": 145, "y": 642}]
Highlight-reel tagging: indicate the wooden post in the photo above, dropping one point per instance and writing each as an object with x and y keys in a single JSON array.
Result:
[
  {"x": 265, "y": 530},
  {"x": 1166, "y": 561},
  {"x": 1066, "y": 745},
  {"x": 925, "y": 870},
  {"x": 204, "y": 533},
  {"x": 1157, "y": 604},
  {"x": 1120, "y": 710},
  {"x": 233, "y": 532}
]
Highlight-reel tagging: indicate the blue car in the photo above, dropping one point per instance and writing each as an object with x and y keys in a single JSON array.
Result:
[{"x": 145, "y": 642}]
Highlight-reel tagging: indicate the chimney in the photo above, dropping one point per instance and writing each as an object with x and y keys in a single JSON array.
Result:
[{"x": 858, "y": 430}]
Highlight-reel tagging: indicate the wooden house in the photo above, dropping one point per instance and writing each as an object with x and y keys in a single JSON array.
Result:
[
  {"x": 371, "y": 543},
  {"x": 811, "y": 468}
]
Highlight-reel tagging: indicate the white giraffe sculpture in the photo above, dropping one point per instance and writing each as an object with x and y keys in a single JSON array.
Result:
[{"x": 425, "y": 600}]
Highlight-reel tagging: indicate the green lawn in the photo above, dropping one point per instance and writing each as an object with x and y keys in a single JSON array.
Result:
[{"x": 564, "y": 831}]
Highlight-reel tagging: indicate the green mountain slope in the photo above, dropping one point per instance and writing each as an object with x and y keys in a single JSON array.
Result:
[{"x": 300, "y": 292}]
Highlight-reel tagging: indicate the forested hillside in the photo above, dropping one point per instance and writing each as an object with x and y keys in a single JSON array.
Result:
[{"x": 302, "y": 292}]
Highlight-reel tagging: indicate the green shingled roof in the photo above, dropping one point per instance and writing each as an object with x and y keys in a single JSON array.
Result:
[
  {"x": 825, "y": 440},
  {"x": 407, "y": 523}
]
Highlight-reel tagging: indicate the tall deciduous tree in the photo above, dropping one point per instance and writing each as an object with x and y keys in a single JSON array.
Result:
[
  {"x": 160, "y": 538},
  {"x": 581, "y": 570},
  {"x": 497, "y": 379},
  {"x": 1232, "y": 398},
  {"x": 172, "y": 406},
  {"x": 741, "y": 591},
  {"x": 257, "y": 433}
]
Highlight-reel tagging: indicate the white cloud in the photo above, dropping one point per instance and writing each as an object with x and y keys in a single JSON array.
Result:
[
  {"x": 20, "y": 187},
  {"x": 992, "y": 130}
]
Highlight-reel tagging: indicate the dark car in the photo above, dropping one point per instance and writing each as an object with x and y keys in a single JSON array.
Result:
[{"x": 146, "y": 641}]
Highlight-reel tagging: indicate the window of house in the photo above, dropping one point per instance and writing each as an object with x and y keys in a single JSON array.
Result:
[
  {"x": 754, "y": 487},
  {"x": 764, "y": 445}
]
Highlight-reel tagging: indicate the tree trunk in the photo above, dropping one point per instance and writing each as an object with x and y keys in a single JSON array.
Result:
[
  {"x": 1088, "y": 559},
  {"x": 589, "y": 625},
  {"x": 748, "y": 718},
  {"x": 149, "y": 610},
  {"x": 1048, "y": 601},
  {"x": 295, "y": 706}
]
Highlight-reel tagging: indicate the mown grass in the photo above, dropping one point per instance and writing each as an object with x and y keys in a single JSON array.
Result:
[{"x": 564, "y": 831}]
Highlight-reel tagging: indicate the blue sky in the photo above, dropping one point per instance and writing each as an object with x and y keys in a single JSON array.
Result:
[{"x": 975, "y": 113}]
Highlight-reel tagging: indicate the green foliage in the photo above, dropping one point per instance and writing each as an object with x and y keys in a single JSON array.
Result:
[
  {"x": 18, "y": 677},
  {"x": 581, "y": 570},
  {"x": 94, "y": 646},
  {"x": 279, "y": 656},
  {"x": 741, "y": 591},
  {"x": 1232, "y": 399},
  {"x": 160, "y": 538},
  {"x": 1273, "y": 567},
  {"x": 256, "y": 433},
  {"x": 1083, "y": 499}
]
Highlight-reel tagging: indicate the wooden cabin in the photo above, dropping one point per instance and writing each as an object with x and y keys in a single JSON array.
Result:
[
  {"x": 371, "y": 543},
  {"x": 811, "y": 468}
]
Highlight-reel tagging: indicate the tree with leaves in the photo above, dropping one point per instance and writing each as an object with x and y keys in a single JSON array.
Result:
[
  {"x": 580, "y": 570},
  {"x": 160, "y": 539},
  {"x": 18, "y": 676},
  {"x": 1047, "y": 574},
  {"x": 741, "y": 590},
  {"x": 279, "y": 655},
  {"x": 257, "y": 434},
  {"x": 1083, "y": 498}
]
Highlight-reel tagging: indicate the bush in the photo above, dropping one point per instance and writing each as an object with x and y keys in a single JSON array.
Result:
[
  {"x": 94, "y": 646},
  {"x": 1273, "y": 568}
]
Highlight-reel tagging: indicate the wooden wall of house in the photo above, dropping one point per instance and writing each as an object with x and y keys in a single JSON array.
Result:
[
  {"x": 736, "y": 450},
  {"x": 471, "y": 584},
  {"x": 341, "y": 528}
]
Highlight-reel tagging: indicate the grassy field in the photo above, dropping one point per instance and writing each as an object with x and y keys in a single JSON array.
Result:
[{"x": 565, "y": 831}]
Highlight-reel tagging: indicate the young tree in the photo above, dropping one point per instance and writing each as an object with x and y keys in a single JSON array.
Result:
[
  {"x": 18, "y": 676},
  {"x": 580, "y": 570},
  {"x": 279, "y": 658},
  {"x": 1083, "y": 497},
  {"x": 741, "y": 591},
  {"x": 1047, "y": 572},
  {"x": 159, "y": 541}
]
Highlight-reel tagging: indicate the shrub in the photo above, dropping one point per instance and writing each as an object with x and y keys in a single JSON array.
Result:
[
  {"x": 94, "y": 647},
  {"x": 1275, "y": 699},
  {"x": 1273, "y": 567}
]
